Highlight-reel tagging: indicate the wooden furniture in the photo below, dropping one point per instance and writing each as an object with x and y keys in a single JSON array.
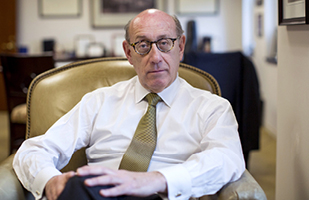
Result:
[
  {"x": 18, "y": 72},
  {"x": 2, "y": 93}
]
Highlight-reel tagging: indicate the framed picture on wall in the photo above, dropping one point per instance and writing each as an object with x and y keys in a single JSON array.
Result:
[
  {"x": 114, "y": 13},
  {"x": 200, "y": 7},
  {"x": 293, "y": 12},
  {"x": 60, "y": 8}
]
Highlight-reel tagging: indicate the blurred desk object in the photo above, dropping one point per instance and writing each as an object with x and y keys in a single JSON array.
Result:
[
  {"x": 18, "y": 72},
  {"x": 239, "y": 84},
  {"x": 66, "y": 57},
  {"x": 63, "y": 59}
]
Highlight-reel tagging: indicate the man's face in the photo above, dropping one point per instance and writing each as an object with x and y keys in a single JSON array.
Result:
[{"x": 156, "y": 70}]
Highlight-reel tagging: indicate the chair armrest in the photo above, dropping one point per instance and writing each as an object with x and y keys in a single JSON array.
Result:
[
  {"x": 10, "y": 187},
  {"x": 244, "y": 188}
]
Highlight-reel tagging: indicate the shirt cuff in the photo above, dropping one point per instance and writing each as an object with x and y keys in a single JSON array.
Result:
[
  {"x": 41, "y": 179},
  {"x": 178, "y": 180}
]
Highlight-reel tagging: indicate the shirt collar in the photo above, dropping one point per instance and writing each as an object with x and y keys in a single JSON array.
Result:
[{"x": 167, "y": 95}]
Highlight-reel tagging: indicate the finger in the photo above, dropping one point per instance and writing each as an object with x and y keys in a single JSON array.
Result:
[
  {"x": 69, "y": 175},
  {"x": 116, "y": 191},
  {"x": 127, "y": 189},
  {"x": 93, "y": 170},
  {"x": 103, "y": 180}
]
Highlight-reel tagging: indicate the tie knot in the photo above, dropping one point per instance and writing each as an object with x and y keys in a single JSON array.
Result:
[{"x": 153, "y": 99}]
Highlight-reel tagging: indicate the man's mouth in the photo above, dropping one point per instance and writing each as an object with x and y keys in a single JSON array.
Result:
[{"x": 156, "y": 71}]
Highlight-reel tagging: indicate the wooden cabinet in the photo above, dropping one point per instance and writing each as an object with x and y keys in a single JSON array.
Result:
[
  {"x": 7, "y": 38},
  {"x": 3, "y": 105}
]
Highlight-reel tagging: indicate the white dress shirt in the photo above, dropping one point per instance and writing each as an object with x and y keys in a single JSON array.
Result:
[{"x": 198, "y": 148}]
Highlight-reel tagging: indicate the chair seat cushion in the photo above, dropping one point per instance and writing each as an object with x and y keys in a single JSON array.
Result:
[{"x": 19, "y": 114}]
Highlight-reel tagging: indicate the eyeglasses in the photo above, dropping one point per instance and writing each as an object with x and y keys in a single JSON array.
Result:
[{"x": 164, "y": 45}]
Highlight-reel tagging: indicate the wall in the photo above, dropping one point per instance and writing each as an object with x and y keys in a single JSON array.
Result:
[
  {"x": 261, "y": 47},
  {"x": 32, "y": 29},
  {"x": 225, "y": 28},
  {"x": 292, "y": 178}
]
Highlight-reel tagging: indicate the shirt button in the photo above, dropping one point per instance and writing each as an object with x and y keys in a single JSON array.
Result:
[{"x": 38, "y": 193}]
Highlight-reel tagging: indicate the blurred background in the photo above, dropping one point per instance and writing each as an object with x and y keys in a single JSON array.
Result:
[{"x": 74, "y": 30}]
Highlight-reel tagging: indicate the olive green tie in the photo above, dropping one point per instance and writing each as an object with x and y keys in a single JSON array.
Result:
[{"x": 139, "y": 153}]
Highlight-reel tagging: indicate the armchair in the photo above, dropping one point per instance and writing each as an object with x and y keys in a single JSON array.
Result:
[{"x": 55, "y": 92}]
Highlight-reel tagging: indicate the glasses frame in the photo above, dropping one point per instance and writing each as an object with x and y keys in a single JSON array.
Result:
[{"x": 156, "y": 42}]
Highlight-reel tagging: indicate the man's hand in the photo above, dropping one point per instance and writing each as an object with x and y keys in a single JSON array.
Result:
[
  {"x": 55, "y": 185},
  {"x": 126, "y": 183}
]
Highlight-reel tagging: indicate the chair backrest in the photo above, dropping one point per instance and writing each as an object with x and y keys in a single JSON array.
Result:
[
  {"x": 19, "y": 70},
  {"x": 55, "y": 92}
]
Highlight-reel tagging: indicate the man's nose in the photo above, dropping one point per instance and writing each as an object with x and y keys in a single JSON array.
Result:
[{"x": 155, "y": 54}]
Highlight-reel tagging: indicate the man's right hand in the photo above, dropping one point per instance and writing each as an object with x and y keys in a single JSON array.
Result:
[{"x": 56, "y": 184}]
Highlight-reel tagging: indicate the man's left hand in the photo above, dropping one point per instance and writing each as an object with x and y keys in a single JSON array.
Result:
[{"x": 140, "y": 184}]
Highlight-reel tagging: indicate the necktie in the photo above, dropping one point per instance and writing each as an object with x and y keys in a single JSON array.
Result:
[{"x": 139, "y": 153}]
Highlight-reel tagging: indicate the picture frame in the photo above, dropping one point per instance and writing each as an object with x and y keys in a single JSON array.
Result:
[
  {"x": 60, "y": 8},
  {"x": 197, "y": 7},
  {"x": 113, "y": 14},
  {"x": 293, "y": 12}
]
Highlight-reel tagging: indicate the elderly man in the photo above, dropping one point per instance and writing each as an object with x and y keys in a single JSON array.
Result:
[{"x": 192, "y": 149}]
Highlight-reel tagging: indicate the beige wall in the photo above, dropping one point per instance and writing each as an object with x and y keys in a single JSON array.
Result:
[
  {"x": 260, "y": 47},
  {"x": 292, "y": 178},
  {"x": 225, "y": 28},
  {"x": 267, "y": 72}
]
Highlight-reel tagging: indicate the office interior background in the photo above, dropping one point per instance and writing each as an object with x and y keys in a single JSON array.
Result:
[{"x": 279, "y": 53}]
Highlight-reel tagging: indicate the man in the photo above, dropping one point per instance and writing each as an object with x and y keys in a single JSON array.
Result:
[{"x": 197, "y": 147}]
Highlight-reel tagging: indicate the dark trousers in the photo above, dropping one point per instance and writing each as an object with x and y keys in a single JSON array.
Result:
[{"x": 76, "y": 189}]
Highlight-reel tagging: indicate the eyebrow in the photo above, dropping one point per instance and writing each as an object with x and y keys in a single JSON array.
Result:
[{"x": 142, "y": 37}]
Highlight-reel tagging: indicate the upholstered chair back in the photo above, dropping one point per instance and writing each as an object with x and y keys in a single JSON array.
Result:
[{"x": 55, "y": 92}]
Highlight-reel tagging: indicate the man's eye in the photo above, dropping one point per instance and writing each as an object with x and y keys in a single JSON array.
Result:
[
  {"x": 143, "y": 45},
  {"x": 163, "y": 42}
]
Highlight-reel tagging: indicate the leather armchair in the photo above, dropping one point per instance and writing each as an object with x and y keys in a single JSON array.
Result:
[{"x": 55, "y": 92}]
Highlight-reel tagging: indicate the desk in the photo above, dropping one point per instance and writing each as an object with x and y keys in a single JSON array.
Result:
[{"x": 64, "y": 59}]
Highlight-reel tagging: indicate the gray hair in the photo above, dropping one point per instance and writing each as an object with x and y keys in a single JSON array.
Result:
[{"x": 179, "y": 30}]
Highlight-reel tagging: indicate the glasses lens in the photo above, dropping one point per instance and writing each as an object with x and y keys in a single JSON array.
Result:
[
  {"x": 143, "y": 47},
  {"x": 165, "y": 44}
]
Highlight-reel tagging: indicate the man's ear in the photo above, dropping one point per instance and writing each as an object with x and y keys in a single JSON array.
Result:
[
  {"x": 182, "y": 42},
  {"x": 127, "y": 50}
]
